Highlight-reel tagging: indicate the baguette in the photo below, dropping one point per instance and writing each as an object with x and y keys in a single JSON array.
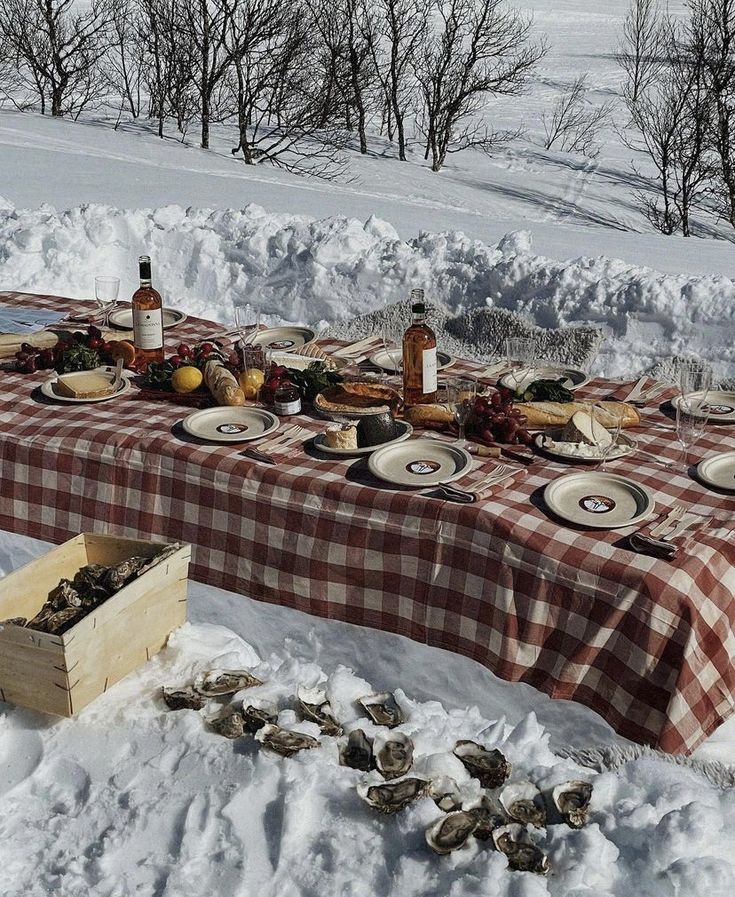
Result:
[
  {"x": 431, "y": 416},
  {"x": 222, "y": 384},
  {"x": 556, "y": 414}
]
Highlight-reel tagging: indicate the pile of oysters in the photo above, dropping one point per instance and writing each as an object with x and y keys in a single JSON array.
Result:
[
  {"x": 73, "y": 599},
  {"x": 504, "y": 816}
]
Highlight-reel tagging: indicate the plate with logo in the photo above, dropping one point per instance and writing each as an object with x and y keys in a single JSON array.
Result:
[
  {"x": 385, "y": 360},
  {"x": 235, "y": 423},
  {"x": 599, "y": 500},
  {"x": 419, "y": 462},
  {"x": 122, "y": 318},
  {"x": 719, "y": 407},
  {"x": 718, "y": 471},
  {"x": 283, "y": 339}
]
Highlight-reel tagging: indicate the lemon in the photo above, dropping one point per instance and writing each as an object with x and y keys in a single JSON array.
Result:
[
  {"x": 186, "y": 379},
  {"x": 252, "y": 377}
]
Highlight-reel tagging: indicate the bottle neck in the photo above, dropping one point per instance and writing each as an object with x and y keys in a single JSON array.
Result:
[
  {"x": 418, "y": 314},
  {"x": 145, "y": 283}
]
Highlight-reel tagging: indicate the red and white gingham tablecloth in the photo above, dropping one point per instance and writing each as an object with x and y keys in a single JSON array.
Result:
[{"x": 647, "y": 643}]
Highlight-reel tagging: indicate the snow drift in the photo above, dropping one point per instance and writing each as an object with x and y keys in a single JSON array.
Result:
[{"x": 306, "y": 270}]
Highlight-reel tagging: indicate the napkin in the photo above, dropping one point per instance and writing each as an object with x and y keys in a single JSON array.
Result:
[
  {"x": 667, "y": 549},
  {"x": 465, "y": 497},
  {"x": 20, "y": 319}
]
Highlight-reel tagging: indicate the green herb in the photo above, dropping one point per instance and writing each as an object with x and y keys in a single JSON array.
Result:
[
  {"x": 544, "y": 391},
  {"x": 314, "y": 379},
  {"x": 78, "y": 357},
  {"x": 158, "y": 375}
]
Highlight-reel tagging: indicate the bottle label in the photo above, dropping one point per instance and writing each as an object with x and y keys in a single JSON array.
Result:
[
  {"x": 429, "y": 370},
  {"x": 148, "y": 329},
  {"x": 286, "y": 408}
]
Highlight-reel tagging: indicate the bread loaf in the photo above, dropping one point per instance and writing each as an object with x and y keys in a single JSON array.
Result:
[
  {"x": 222, "y": 384},
  {"x": 557, "y": 414},
  {"x": 430, "y": 416}
]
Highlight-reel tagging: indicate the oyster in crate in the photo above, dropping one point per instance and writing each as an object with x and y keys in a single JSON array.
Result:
[
  {"x": 228, "y": 724},
  {"x": 522, "y": 854},
  {"x": 444, "y": 791},
  {"x": 283, "y": 741},
  {"x": 62, "y": 620},
  {"x": 393, "y": 754},
  {"x": 184, "y": 698},
  {"x": 390, "y": 797},
  {"x": 14, "y": 621},
  {"x": 217, "y": 683},
  {"x": 382, "y": 709},
  {"x": 450, "y": 832},
  {"x": 524, "y": 803},
  {"x": 257, "y": 714},
  {"x": 489, "y": 815},
  {"x": 358, "y": 752},
  {"x": 489, "y": 766},
  {"x": 63, "y": 596},
  {"x": 572, "y": 800},
  {"x": 314, "y": 706},
  {"x": 114, "y": 578}
]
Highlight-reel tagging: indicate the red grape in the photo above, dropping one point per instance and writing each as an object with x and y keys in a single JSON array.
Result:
[
  {"x": 495, "y": 400},
  {"x": 184, "y": 351}
]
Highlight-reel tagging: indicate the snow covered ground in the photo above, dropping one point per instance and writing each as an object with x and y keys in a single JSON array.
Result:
[{"x": 132, "y": 799}]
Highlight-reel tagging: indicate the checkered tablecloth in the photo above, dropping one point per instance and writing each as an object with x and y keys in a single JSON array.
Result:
[{"x": 647, "y": 643}]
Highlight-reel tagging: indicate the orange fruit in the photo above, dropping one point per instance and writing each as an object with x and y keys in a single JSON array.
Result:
[{"x": 124, "y": 349}]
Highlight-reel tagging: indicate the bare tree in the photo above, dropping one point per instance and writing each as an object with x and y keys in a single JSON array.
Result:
[
  {"x": 482, "y": 49},
  {"x": 574, "y": 125},
  {"x": 640, "y": 56},
  {"x": 124, "y": 61}
]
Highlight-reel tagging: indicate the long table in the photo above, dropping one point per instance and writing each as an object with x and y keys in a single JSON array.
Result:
[{"x": 647, "y": 643}]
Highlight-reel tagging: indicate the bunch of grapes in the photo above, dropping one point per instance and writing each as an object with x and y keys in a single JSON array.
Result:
[
  {"x": 77, "y": 352},
  {"x": 494, "y": 419}
]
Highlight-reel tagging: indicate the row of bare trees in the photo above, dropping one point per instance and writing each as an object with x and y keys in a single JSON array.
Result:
[
  {"x": 300, "y": 78},
  {"x": 680, "y": 96}
]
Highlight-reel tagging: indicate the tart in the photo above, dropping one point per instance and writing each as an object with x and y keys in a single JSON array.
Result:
[{"x": 357, "y": 397}]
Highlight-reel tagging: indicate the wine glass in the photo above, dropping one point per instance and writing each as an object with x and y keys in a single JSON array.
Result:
[
  {"x": 247, "y": 322},
  {"x": 691, "y": 422},
  {"x": 461, "y": 392},
  {"x": 520, "y": 353},
  {"x": 393, "y": 345},
  {"x": 695, "y": 381},
  {"x": 106, "y": 290},
  {"x": 614, "y": 421}
]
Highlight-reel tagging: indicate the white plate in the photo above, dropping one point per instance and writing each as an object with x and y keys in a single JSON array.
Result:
[
  {"x": 526, "y": 376},
  {"x": 720, "y": 406},
  {"x": 572, "y": 451},
  {"x": 283, "y": 339},
  {"x": 320, "y": 442},
  {"x": 382, "y": 359},
  {"x": 302, "y": 362},
  {"x": 598, "y": 500},
  {"x": 718, "y": 471},
  {"x": 230, "y": 424},
  {"x": 122, "y": 318},
  {"x": 419, "y": 462},
  {"x": 47, "y": 388}
]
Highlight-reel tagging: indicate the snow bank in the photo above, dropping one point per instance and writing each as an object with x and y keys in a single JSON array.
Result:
[{"x": 306, "y": 270}]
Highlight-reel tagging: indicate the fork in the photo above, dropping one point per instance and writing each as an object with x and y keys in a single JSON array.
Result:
[
  {"x": 676, "y": 513},
  {"x": 496, "y": 474},
  {"x": 354, "y": 349}
]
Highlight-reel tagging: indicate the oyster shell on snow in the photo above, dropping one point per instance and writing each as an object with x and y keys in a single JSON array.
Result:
[
  {"x": 283, "y": 741},
  {"x": 489, "y": 766},
  {"x": 257, "y": 714},
  {"x": 524, "y": 803},
  {"x": 185, "y": 698},
  {"x": 523, "y": 856},
  {"x": 393, "y": 754},
  {"x": 358, "y": 752},
  {"x": 382, "y": 709},
  {"x": 390, "y": 797},
  {"x": 229, "y": 723},
  {"x": 572, "y": 800},
  {"x": 444, "y": 791},
  {"x": 450, "y": 832},
  {"x": 216, "y": 683},
  {"x": 489, "y": 815},
  {"x": 315, "y": 707}
]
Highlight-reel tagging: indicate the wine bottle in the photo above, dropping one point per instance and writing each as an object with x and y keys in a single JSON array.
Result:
[
  {"x": 419, "y": 356},
  {"x": 147, "y": 319}
]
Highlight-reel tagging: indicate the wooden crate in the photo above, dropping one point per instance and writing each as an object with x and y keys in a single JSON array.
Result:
[{"x": 61, "y": 674}]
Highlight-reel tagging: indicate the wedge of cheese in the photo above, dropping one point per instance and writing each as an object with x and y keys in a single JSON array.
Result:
[
  {"x": 85, "y": 385},
  {"x": 582, "y": 428}
]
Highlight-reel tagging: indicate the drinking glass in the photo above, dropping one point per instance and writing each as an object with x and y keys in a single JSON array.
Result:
[
  {"x": 256, "y": 365},
  {"x": 691, "y": 422},
  {"x": 247, "y": 322},
  {"x": 393, "y": 345},
  {"x": 106, "y": 290},
  {"x": 461, "y": 392},
  {"x": 520, "y": 353},
  {"x": 613, "y": 428},
  {"x": 695, "y": 381}
]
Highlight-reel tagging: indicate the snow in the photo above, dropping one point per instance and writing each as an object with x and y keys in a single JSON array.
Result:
[{"x": 132, "y": 799}]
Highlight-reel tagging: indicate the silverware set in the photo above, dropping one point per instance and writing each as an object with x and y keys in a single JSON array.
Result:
[
  {"x": 499, "y": 474},
  {"x": 358, "y": 350},
  {"x": 643, "y": 395},
  {"x": 265, "y": 451}
]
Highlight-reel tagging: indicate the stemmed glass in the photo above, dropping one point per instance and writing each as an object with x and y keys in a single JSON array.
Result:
[
  {"x": 520, "y": 353},
  {"x": 106, "y": 290},
  {"x": 614, "y": 430},
  {"x": 461, "y": 392},
  {"x": 393, "y": 345},
  {"x": 695, "y": 380},
  {"x": 247, "y": 322}
]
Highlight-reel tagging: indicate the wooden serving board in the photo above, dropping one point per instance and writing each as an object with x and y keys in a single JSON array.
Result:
[{"x": 10, "y": 343}]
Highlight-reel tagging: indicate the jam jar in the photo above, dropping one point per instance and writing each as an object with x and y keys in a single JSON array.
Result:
[{"x": 287, "y": 400}]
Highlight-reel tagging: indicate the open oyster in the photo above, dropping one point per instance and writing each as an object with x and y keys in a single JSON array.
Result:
[
  {"x": 489, "y": 766},
  {"x": 393, "y": 754},
  {"x": 450, "y": 832},
  {"x": 524, "y": 803},
  {"x": 283, "y": 741},
  {"x": 358, "y": 752},
  {"x": 229, "y": 723},
  {"x": 382, "y": 709},
  {"x": 572, "y": 800},
  {"x": 257, "y": 714},
  {"x": 315, "y": 707},
  {"x": 523, "y": 856},
  {"x": 489, "y": 815},
  {"x": 217, "y": 683},
  {"x": 390, "y": 797},
  {"x": 444, "y": 791},
  {"x": 185, "y": 698}
]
